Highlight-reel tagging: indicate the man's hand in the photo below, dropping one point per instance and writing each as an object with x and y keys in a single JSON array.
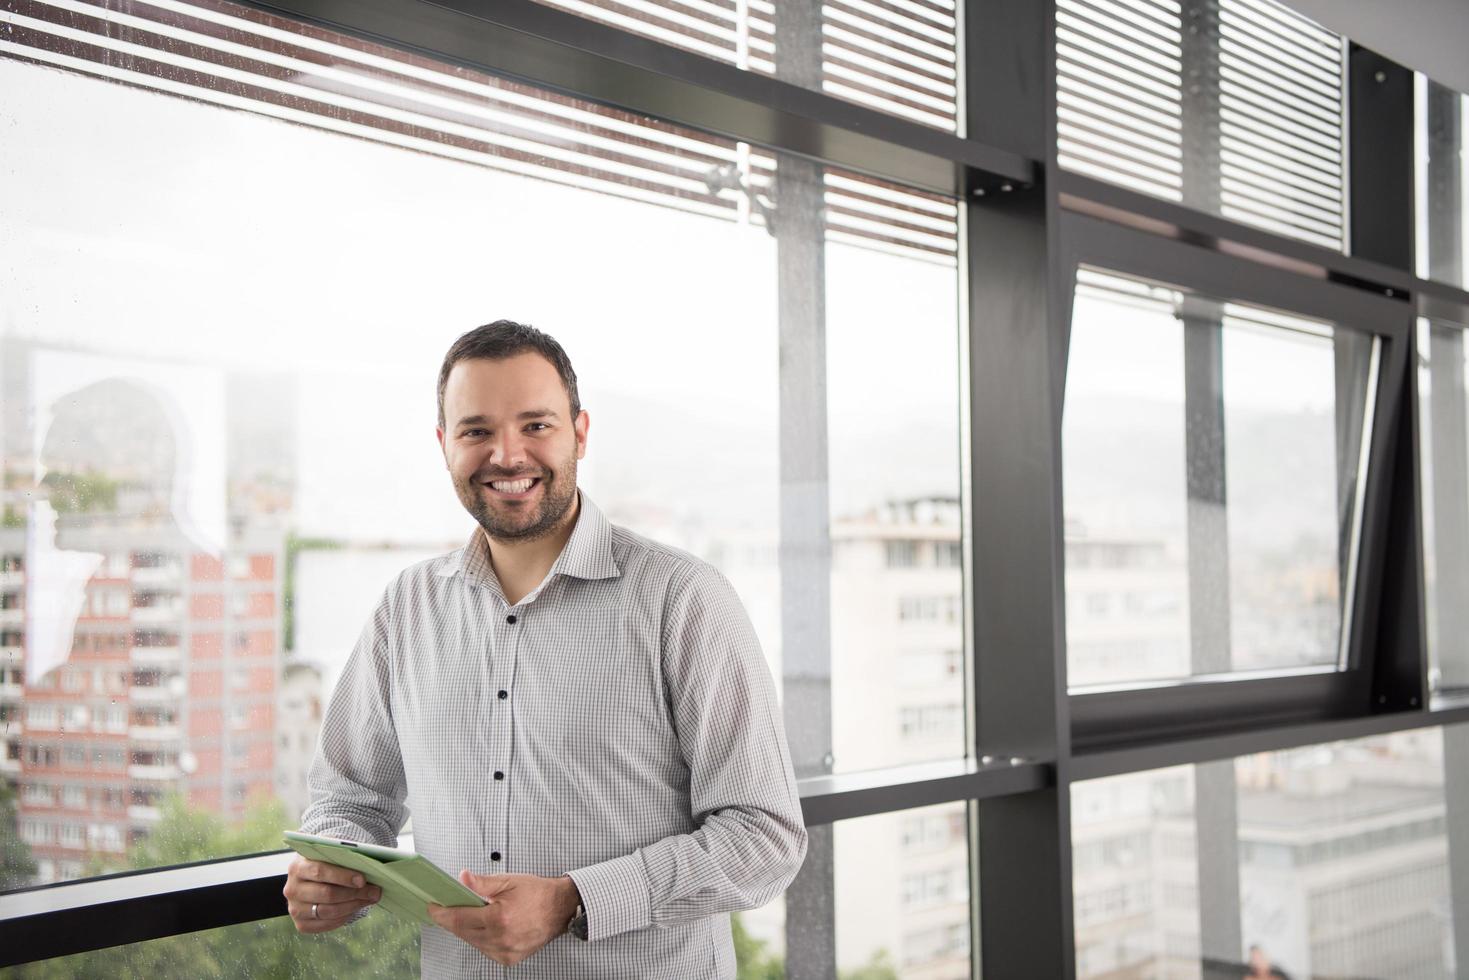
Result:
[
  {"x": 321, "y": 896},
  {"x": 525, "y": 913}
]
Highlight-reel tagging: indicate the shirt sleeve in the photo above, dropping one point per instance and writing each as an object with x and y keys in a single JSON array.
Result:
[
  {"x": 356, "y": 780},
  {"x": 752, "y": 838}
]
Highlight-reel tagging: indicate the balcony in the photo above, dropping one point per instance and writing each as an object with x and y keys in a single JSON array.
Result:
[
  {"x": 154, "y": 733},
  {"x": 145, "y": 814},
  {"x": 153, "y": 615},
  {"x": 10, "y": 580},
  {"x": 157, "y": 694},
  {"x": 12, "y": 617},
  {"x": 11, "y": 691},
  {"x": 10, "y": 766},
  {"x": 155, "y": 772},
  {"x": 160, "y": 575},
  {"x": 155, "y": 655}
]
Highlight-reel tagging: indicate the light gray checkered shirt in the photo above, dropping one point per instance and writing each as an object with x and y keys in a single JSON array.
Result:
[{"x": 633, "y": 720}]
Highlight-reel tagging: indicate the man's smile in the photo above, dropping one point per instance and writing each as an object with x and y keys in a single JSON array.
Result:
[{"x": 517, "y": 489}]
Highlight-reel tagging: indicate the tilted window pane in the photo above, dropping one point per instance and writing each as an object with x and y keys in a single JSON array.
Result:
[
  {"x": 216, "y": 390},
  {"x": 897, "y": 56},
  {"x": 1328, "y": 861},
  {"x": 1212, "y": 459},
  {"x": 1235, "y": 107}
]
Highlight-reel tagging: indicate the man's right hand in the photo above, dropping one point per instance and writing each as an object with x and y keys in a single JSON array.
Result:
[{"x": 321, "y": 896}]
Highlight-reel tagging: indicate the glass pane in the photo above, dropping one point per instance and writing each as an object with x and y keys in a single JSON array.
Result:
[
  {"x": 1328, "y": 861},
  {"x": 1135, "y": 886},
  {"x": 1212, "y": 454},
  {"x": 898, "y": 57},
  {"x": 380, "y": 946},
  {"x": 1239, "y": 111},
  {"x": 217, "y": 358},
  {"x": 901, "y": 888},
  {"x": 1443, "y": 455},
  {"x": 1443, "y": 176}
]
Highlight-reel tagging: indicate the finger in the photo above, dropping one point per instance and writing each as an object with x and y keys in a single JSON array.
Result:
[
  {"x": 327, "y": 917},
  {"x": 310, "y": 891},
  {"x": 332, "y": 874},
  {"x": 460, "y": 922},
  {"x": 485, "y": 886},
  {"x": 317, "y": 911}
]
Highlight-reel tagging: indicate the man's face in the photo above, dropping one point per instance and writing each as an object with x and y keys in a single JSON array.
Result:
[{"x": 511, "y": 445}]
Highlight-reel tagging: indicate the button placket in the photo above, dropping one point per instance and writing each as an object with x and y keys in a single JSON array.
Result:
[{"x": 502, "y": 721}]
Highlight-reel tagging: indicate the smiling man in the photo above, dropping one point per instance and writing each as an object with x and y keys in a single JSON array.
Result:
[{"x": 579, "y": 720}]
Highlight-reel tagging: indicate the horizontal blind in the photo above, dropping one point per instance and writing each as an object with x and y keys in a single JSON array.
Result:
[
  {"x": 1282, "y": 135},
  {"x": 1118, "y": 112},
  {"x": 1249, "y": 90},
  {"x": 897, "y": 56},
  {"x": 237, "y": 57}
]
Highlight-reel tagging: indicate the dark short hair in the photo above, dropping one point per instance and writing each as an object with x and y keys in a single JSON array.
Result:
[{"x": 507, "y": 338}]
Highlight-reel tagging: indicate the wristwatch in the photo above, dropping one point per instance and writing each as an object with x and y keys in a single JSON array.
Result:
[{"x": 577, "y": 927}]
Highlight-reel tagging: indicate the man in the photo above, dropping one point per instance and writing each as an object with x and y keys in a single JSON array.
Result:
[{"x": 577, "y": 717}]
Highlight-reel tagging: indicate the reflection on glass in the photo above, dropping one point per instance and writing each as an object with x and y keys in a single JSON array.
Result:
[
  {"x": 216, "y": 401},
  {"x": 1329, "y": 861},
  {"x": 925, "y": 926},
  {"x": 1442, "y": 223},
  {"x": 1135, "y": 891},
  {"x": 1443, "y": 459},
  {"x": 902, "y": 892},
  {"x": 381, "y": 947},
  {"x": 1343, "y": 858},
  {"x": 1212, "y": 454}
]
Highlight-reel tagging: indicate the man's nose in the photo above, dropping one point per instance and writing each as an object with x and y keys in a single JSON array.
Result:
[{"x": 508, "y": 451}]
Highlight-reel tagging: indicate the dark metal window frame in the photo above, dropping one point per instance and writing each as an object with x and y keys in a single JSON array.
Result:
[{"x": 1025, "y": 227}]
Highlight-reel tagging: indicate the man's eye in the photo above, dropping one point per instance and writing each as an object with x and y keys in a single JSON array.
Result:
[
  {"x": 469, "y": 433},
  {"x": 537, "y": 426}
]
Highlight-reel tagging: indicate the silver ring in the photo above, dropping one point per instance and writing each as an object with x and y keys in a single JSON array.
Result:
[{"x": 313, "y": 911}]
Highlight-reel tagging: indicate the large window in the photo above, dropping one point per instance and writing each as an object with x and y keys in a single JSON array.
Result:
[{"x": 219, "y": 356}]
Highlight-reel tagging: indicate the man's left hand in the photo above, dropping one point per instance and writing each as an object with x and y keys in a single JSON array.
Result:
[{"x": 525, "y": 913}]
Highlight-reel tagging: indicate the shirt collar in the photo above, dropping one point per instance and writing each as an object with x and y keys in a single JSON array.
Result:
[{"x": 587, "y": 554}]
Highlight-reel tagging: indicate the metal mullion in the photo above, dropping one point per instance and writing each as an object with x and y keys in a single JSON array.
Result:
[
  {"x": 560, "y": 51},
  {"x": 826, "y": 799},
  {"x": 1016, "y": 363},
  {"x": 1130, "y": 251},
  {"x": 1146, "y": 755},
  {"x": 1124, "y": 207}
]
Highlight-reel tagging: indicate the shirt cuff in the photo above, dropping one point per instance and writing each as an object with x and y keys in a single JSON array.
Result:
[{"x": 614, "y": 895}]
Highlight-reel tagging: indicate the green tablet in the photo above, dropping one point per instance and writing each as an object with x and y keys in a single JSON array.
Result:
[{"x": 410, "y": 882}]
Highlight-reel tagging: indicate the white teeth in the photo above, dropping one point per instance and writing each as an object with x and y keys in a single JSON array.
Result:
[{"x": 511, "y": 486}]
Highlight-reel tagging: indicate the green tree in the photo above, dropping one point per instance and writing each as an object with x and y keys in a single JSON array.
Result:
[
  {"x": 880, "y": 967},
  {"x": 17, "y": 869},
  {"x": 379, "y": 945},
  {"x": 752, "y": 961}
]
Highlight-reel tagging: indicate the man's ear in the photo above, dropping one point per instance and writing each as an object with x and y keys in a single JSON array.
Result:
[
  {"x": 582, "y": 424},
  {"x": 443, "y": 450}
]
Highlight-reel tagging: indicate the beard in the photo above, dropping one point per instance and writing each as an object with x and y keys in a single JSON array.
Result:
[{"x": 558, "y": 491}]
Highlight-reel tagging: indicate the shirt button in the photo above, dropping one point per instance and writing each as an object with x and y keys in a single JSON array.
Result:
[
  {"x": 510, "y": 619},
  {"x": 504, "y": 695},
  {"x": 494, "y": 855},
  {"x": 499, "y": 774}
]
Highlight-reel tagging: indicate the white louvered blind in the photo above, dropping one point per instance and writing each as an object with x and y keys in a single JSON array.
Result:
[
  {"x": 897, "y": 56},
  {"x": 1282, "y": 122},
  {"x": 241, "y": 58},
  {"x": 1236, "y": 106}
]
